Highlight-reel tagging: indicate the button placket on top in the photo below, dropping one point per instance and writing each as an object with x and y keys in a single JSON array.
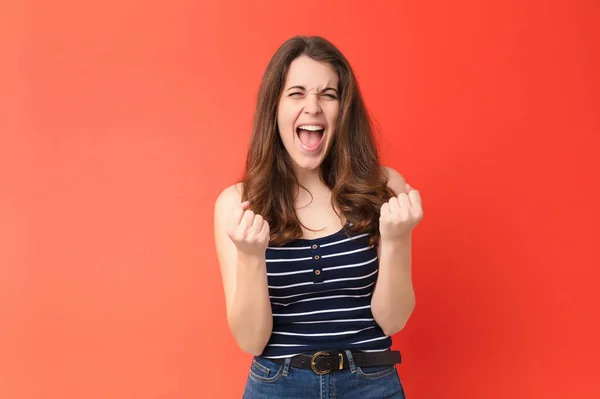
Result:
[{"x": 317, "y": 264}]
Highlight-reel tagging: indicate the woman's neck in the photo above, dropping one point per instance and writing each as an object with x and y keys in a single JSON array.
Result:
[{"x": 309, "y": 178}]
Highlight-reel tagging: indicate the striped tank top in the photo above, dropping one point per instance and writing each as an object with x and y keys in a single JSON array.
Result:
[{"x": 320, "y": 291}]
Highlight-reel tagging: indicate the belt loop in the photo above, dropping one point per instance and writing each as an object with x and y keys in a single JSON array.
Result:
[
  {"x": 350, "y": 361},
  {"x": 286, "y": 366}
]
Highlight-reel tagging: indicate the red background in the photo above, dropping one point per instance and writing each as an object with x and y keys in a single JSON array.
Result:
[{"x": 121, "y": 121}]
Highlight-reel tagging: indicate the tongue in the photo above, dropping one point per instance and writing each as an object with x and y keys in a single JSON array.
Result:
[{"x": 309, "y": 138}]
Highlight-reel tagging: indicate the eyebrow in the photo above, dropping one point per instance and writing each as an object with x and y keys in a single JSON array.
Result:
[{"x": 304, "y": 88}]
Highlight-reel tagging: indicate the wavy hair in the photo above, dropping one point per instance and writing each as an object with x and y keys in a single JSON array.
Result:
[{"x": 351, "y": 168}]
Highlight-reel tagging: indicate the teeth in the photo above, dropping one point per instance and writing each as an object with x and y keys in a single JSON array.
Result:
[{"x": 312, "y": 128}]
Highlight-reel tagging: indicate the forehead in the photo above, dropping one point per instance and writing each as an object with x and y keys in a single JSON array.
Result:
[{"x": 305, "y": 71}]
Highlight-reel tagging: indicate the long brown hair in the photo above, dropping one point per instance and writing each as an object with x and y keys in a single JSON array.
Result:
[{"x": 351, "y": 169}]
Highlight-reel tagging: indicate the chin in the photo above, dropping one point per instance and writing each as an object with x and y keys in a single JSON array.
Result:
[{"x": 307, "y": 164}]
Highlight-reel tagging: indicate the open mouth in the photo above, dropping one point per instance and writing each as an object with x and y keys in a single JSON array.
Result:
[{"x": 310, "y": 136}]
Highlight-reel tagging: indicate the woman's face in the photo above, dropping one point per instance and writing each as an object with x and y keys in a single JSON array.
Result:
[{"x": 308, "y": 111}]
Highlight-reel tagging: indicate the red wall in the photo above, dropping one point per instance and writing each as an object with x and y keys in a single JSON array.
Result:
[{"x": 122, "y": 120}]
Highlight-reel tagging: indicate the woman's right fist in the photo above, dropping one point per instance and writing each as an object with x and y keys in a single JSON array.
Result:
[{"x": 248, "y": 231}]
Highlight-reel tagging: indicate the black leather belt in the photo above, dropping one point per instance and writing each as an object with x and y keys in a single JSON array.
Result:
[{"x": 325, "y": 362}]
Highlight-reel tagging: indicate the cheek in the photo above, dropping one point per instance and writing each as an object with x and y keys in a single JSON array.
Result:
[
  {"x": 286, "y": 117},
  {"x": 284, "y": 126},
  {"x": 333, "y": 114}
]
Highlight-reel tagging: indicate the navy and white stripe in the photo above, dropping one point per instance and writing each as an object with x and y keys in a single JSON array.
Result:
[{"x": 321, "y": 293}]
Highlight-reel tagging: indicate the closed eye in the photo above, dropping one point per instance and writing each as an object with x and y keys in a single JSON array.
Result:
[{"x": 299, "y": 94}]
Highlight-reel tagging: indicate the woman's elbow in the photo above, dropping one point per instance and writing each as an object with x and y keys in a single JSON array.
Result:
[
  {"x": 252, "y": 348},
  {"x": 393, "y": 326}
]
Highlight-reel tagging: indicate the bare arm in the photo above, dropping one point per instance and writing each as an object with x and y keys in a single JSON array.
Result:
[
  {"x": 241, "y": 238},
  {"x": 393, "y": 298}
]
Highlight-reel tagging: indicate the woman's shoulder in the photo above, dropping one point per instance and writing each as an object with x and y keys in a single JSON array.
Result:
[
  {"x": 395, "y": 180},
  {"x": 229, "y": 197}
]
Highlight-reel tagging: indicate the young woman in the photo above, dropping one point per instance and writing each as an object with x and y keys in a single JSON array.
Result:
[{"x": 314, "y": 244}]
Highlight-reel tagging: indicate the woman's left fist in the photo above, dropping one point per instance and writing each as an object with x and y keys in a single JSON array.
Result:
[{"x": 400, "y": 214}]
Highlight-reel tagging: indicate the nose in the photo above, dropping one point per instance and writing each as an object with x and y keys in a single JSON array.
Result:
[{"x": 312, "y": 106}]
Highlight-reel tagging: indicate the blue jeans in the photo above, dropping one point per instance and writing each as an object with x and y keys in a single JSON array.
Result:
[{"x": 270, "y": 380}]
